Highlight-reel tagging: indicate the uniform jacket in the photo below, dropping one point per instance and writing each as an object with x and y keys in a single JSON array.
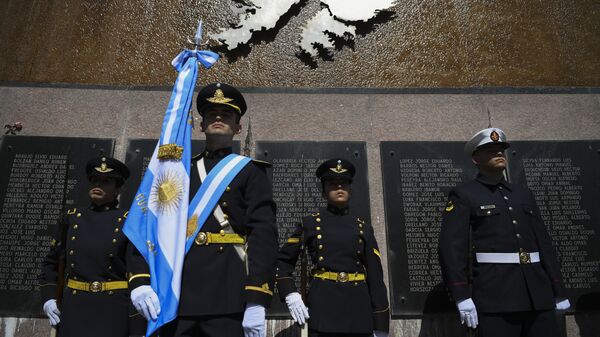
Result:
[
  {"x": 92, "y": 247},
  {"x": 214, "y": 279},
  {"x": 503, "y": 218},
  {"x": 338, "y": 242}
]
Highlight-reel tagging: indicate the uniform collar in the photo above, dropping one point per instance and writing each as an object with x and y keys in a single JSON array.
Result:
[
  {"x": 106, "y": 207},
  {"x": 487, "y": 180},
  {"x": 338, "y": 211},
  {"x": 217, "y": 154}
]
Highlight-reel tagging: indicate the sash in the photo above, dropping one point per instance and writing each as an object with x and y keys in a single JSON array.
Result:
[{"x": 211, "y": 190}]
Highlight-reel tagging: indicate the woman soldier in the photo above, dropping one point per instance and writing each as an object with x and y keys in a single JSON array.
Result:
[
  {"x": 347, "y": 296},
  {"x": 91, "y": 246}
]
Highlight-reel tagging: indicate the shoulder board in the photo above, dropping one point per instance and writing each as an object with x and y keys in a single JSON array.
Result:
[
  {"x": 72, "y": 211},
  {"x": 261, "y": 163}
]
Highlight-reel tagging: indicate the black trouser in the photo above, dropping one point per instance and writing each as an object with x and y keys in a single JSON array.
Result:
[
  {"x": 518, "y": 324},
  {"x": 314, "y": 333},
  {"x": 204, "y": 326}
]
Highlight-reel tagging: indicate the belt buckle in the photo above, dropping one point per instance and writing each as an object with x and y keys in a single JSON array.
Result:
[
  {"x": 95, "y": 287},
  {"x": 342, "y": 277},
  {"x": 201, "y": 238},
  {"x": 524, "y": 258}
]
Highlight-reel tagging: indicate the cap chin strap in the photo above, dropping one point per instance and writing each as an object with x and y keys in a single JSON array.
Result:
[{"x": 220, "y": 216}]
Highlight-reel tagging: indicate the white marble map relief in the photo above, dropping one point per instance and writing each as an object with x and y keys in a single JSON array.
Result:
[{"x": 336, "y": 19}]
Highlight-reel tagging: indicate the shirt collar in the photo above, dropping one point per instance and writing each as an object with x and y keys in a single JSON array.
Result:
[
  {"x": 338, "y": 211},
  {"x": 218, "y": 154},
  {"x": 487, "y": 180},
  {"x": 105, "y": 207}
]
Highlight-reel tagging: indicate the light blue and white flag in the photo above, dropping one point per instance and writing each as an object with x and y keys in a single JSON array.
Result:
[{"x": 158, "y": 216}]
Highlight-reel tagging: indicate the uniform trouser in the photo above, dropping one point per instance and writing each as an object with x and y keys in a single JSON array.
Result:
[
  {"x": 314, "y": 333},
  {"x": 518, "y": 324},
  {"x": 205, "y": 326}
]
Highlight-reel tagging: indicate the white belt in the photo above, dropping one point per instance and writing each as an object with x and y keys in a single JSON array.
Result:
[{"x": 519, "y": 258}]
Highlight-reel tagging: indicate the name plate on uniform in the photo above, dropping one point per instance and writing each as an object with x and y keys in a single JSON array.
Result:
[
  {"x": 564, "y": 177},
  {"x": 39, "y": 178},
  {"x": 297, "y": 191},
  {"x": 139, "y": 153}
]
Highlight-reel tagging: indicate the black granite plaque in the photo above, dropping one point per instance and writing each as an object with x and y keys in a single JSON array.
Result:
[
  {"x": 417, "y": 177},
  {"x": 565, "y": 179},
  {"x": 39, "y": 178},
  {"x": 297, "y": 191},
  {"x": 139, "y": 153}
]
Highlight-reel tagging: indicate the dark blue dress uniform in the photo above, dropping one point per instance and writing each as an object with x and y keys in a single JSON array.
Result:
[
  {"x": 214, "y": 280},
  {"x": 347, "y": 294},
  {"x": 494, "y": 216},
  {"x": 92, "y": 248}
]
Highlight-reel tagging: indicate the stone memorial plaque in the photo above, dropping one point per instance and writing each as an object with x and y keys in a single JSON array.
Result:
[
  {"x": 139, "y": 153},
  {"x": 565, "y": 179},
  {"x": 417, "y": 177},
  {"x": 297, "y": 191},
  {"x": 39, "y": 178}
]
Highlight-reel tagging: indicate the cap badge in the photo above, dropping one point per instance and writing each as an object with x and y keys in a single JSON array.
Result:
[
  {"x": 219, "y": 97},
  {"x": 103, "y": 168},
  {"x": 338, "y": 168},
  {"x": 495, "y": 136}
]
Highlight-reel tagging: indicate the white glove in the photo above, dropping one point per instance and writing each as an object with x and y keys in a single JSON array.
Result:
[
  {"x": 254, "y": 321},
  {"x": 51, "y": 310},
  {"x": 468, "y": 313},
  {"x": 563, "y": 305},
  {"x": 298, "y": 310},
  {"x": 146, "y": 302},
  {"x": 379, "y": 333}
]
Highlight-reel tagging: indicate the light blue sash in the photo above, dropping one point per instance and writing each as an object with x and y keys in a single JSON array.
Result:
[{"x": 211, "y": 190}]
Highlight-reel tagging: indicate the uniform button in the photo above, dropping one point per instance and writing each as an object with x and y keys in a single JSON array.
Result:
[
  {"x": 75, "y": 226},
  {"x": 320, "y": 246},
  {"x": 505, "y": 198},
  {"x": 109, "y": 280},
  {"x": 225, "y": 216},
  {"x": 71, "y": 252},
  {"x": 224, "y": 204},
  {"x": 318, "y": 219},
  {"x": 319, "y": 236},
  {"x": 360, "y": 225},
  {"x": 318, "y": 228},
  {"x": 114, "y": 241},
  {"x": 320, "y": 258},
  {"x": 110, "y": 292},
  {"x": 358, "y": 263},
  {"x": 74, "y": 292},
  {"x": 361, "y": 232},
  {"x": 110, "y": 255},
  {"x": 74, "y": 277},
  {"x": 221, "y": 249},
  {"x": 322, "y": 269},
  {"x": 109, "y": 267},
  {"x": 222, "y": 232},
  {"x": 119, "y": 219},
  {"x": 515, "y": 222},
  {"x": 359, "y": 240},
  {"x": 358, "y": 252},
  {"x": 518, "y": 235},
  {"x": 72, "y": 237},
  {"x": 510, "y": 208},
  {"x": 500, "y": 187},
  {"x": 489, "y": 212},
  {"x": 72, "y": 265},
  {"x": 116, "y": 229},
  {"x": 227, "y": 189},
  {"x": 79, "y": 215}
]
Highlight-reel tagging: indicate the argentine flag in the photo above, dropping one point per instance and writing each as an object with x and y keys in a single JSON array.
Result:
[{"x": 158, "y": 216}]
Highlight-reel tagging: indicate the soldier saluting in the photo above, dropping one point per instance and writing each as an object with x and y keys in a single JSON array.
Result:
[
  {"x": 347, "y": 295},
  {"x": 493, "y": 230},
  {"x": 228, "y": 273},
  {"x": 92, "y": 247}
]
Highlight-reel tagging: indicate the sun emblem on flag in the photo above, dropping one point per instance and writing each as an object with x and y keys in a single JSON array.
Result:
[{"x": 167, "y": 192}]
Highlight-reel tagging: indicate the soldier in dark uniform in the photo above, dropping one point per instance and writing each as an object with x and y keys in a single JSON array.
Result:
[
  {"x": 347, "y": 295},
  {"x": 228, "y": 274},
  {"x": 493, "y": 230},
  {"x": 91, "y": 246}
]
